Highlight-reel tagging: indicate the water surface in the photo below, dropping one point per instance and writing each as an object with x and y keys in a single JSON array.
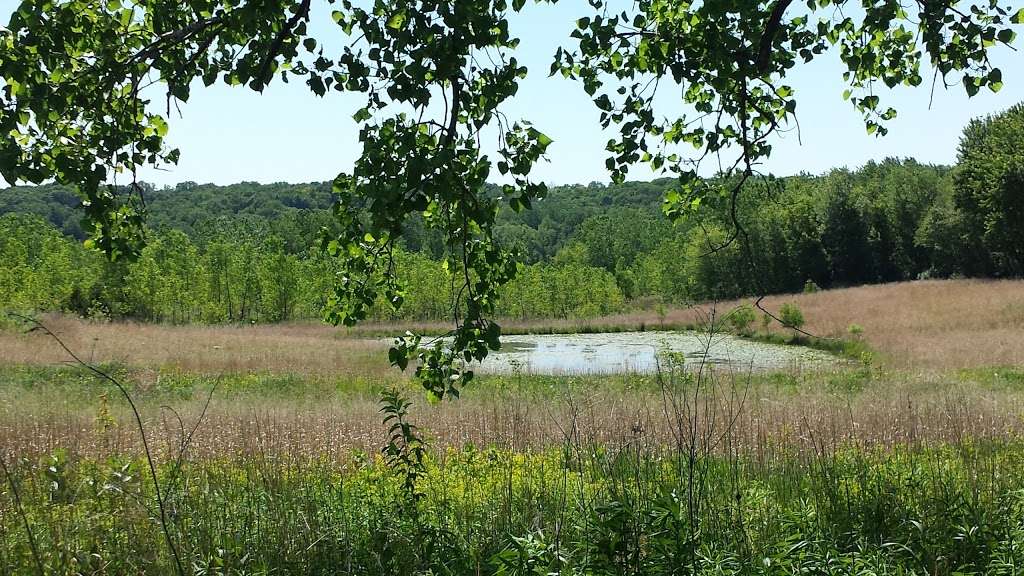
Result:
[{"x": 641, "y": 352}]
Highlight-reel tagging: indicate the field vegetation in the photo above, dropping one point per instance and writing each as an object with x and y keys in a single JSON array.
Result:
[
  {"x": 891, "y": 462},
  {"x": 183, "y": 413}
]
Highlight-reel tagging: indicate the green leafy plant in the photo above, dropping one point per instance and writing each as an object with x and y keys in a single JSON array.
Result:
[
  {"x": 530, "y": 555},
  {"x": 741, "y": 318},
  {"x": 791, "y": 316},
  {"x": 405, "y": 451}
]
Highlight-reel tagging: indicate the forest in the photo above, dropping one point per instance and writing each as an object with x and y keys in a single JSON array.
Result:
[{"x": 249, "y": 252}]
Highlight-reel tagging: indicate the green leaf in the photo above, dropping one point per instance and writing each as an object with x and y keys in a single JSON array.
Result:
[
  {"x": 1018, "y": 18},
  {"x": 541, "y": 138},
  {"x": 159, "y": 126},
  {"x": 396, "y": 21}
]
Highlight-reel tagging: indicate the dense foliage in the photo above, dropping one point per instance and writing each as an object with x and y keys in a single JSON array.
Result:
[
  {"x": 231, "y": 251},
  {"x": 240, "y": 274},
  {"x": 990, "y": 193}
]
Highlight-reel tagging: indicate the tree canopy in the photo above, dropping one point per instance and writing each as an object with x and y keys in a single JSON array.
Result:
[
  {"x": 80, "y": 78},
  {"x": 990, "y": 189}
]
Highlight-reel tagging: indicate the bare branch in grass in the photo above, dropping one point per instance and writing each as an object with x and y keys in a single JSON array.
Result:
[{"x": 164, "y": 525}]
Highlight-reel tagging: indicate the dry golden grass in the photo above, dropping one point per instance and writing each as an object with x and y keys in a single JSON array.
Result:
[
  {"x": 891, "y": 410},
  {"x": 924, "y": 326},
  {"x": 308, "y": 349}
]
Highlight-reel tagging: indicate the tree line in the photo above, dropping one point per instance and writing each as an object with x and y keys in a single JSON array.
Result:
[
  {"x": 239, "y": 274},
  {"x": 242, "y": 253},
  {"x": 888, "y": 221}
]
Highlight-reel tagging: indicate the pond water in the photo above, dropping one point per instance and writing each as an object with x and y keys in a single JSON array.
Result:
[{"x": 622, "y": 352}]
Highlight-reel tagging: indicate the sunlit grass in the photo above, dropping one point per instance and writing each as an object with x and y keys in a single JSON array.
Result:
[{"x": 906, "y": 460}]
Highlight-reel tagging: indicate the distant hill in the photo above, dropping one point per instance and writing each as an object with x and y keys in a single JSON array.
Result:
[
  {"x": 184, "y": 207},
  {"x": 296, "y": 211}
]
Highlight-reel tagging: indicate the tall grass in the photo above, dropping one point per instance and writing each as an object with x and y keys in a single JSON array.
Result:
[
  {"x": 306, "y": 349},
  {"x": 582, "y": 509},
  {"x": 865, "y": 469},
  {"x": 47, "y": 409},
  {"x": 681, "y": 472}
]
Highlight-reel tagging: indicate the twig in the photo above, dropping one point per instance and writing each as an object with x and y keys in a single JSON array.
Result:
[
  {"x": 138, "y": 421},
  {"x": 186, "y": 439},
  {"x": 757, "y": 304}
]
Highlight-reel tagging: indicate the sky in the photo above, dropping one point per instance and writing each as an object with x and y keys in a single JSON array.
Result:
[{"x": 287, "y": 134}]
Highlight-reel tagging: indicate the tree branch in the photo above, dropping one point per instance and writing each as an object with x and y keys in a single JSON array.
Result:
[
  {"x": 771, "y": 27},
  {"x": 453, "y": 121},
  {"x": 174, "y": 36},
  {"x": 275, "y": 46}
]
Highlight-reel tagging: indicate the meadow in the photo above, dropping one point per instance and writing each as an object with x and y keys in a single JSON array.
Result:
[{"x": 905, "y": 457}]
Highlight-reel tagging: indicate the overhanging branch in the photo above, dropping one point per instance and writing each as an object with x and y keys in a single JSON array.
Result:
[
  {"x": 275, "y": 46},
  {"x": 771, "y": 28}
]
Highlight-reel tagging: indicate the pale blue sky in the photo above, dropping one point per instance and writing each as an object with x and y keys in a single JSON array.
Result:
[{"x": 287, "y": 134}]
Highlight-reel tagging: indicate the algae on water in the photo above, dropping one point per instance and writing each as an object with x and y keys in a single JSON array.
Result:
[{"x": 641, "y": 352}]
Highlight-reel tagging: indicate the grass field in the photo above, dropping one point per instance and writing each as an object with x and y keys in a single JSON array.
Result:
[{"x": 905, "y": 461}]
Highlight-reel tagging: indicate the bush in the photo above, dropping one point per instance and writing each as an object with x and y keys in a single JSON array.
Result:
[
  {"x": 741, "y": 318},
  {"x": 791, "y": 316},
  {"x": 810, "y": 287}
]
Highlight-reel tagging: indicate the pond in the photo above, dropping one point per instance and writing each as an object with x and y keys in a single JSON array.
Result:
[{"x": 641, "y": 352}]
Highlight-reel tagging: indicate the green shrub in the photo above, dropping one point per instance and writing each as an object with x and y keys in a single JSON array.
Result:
[
  {"x": 791, "y": 316},
  {"x": 741, "y": 318}
]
